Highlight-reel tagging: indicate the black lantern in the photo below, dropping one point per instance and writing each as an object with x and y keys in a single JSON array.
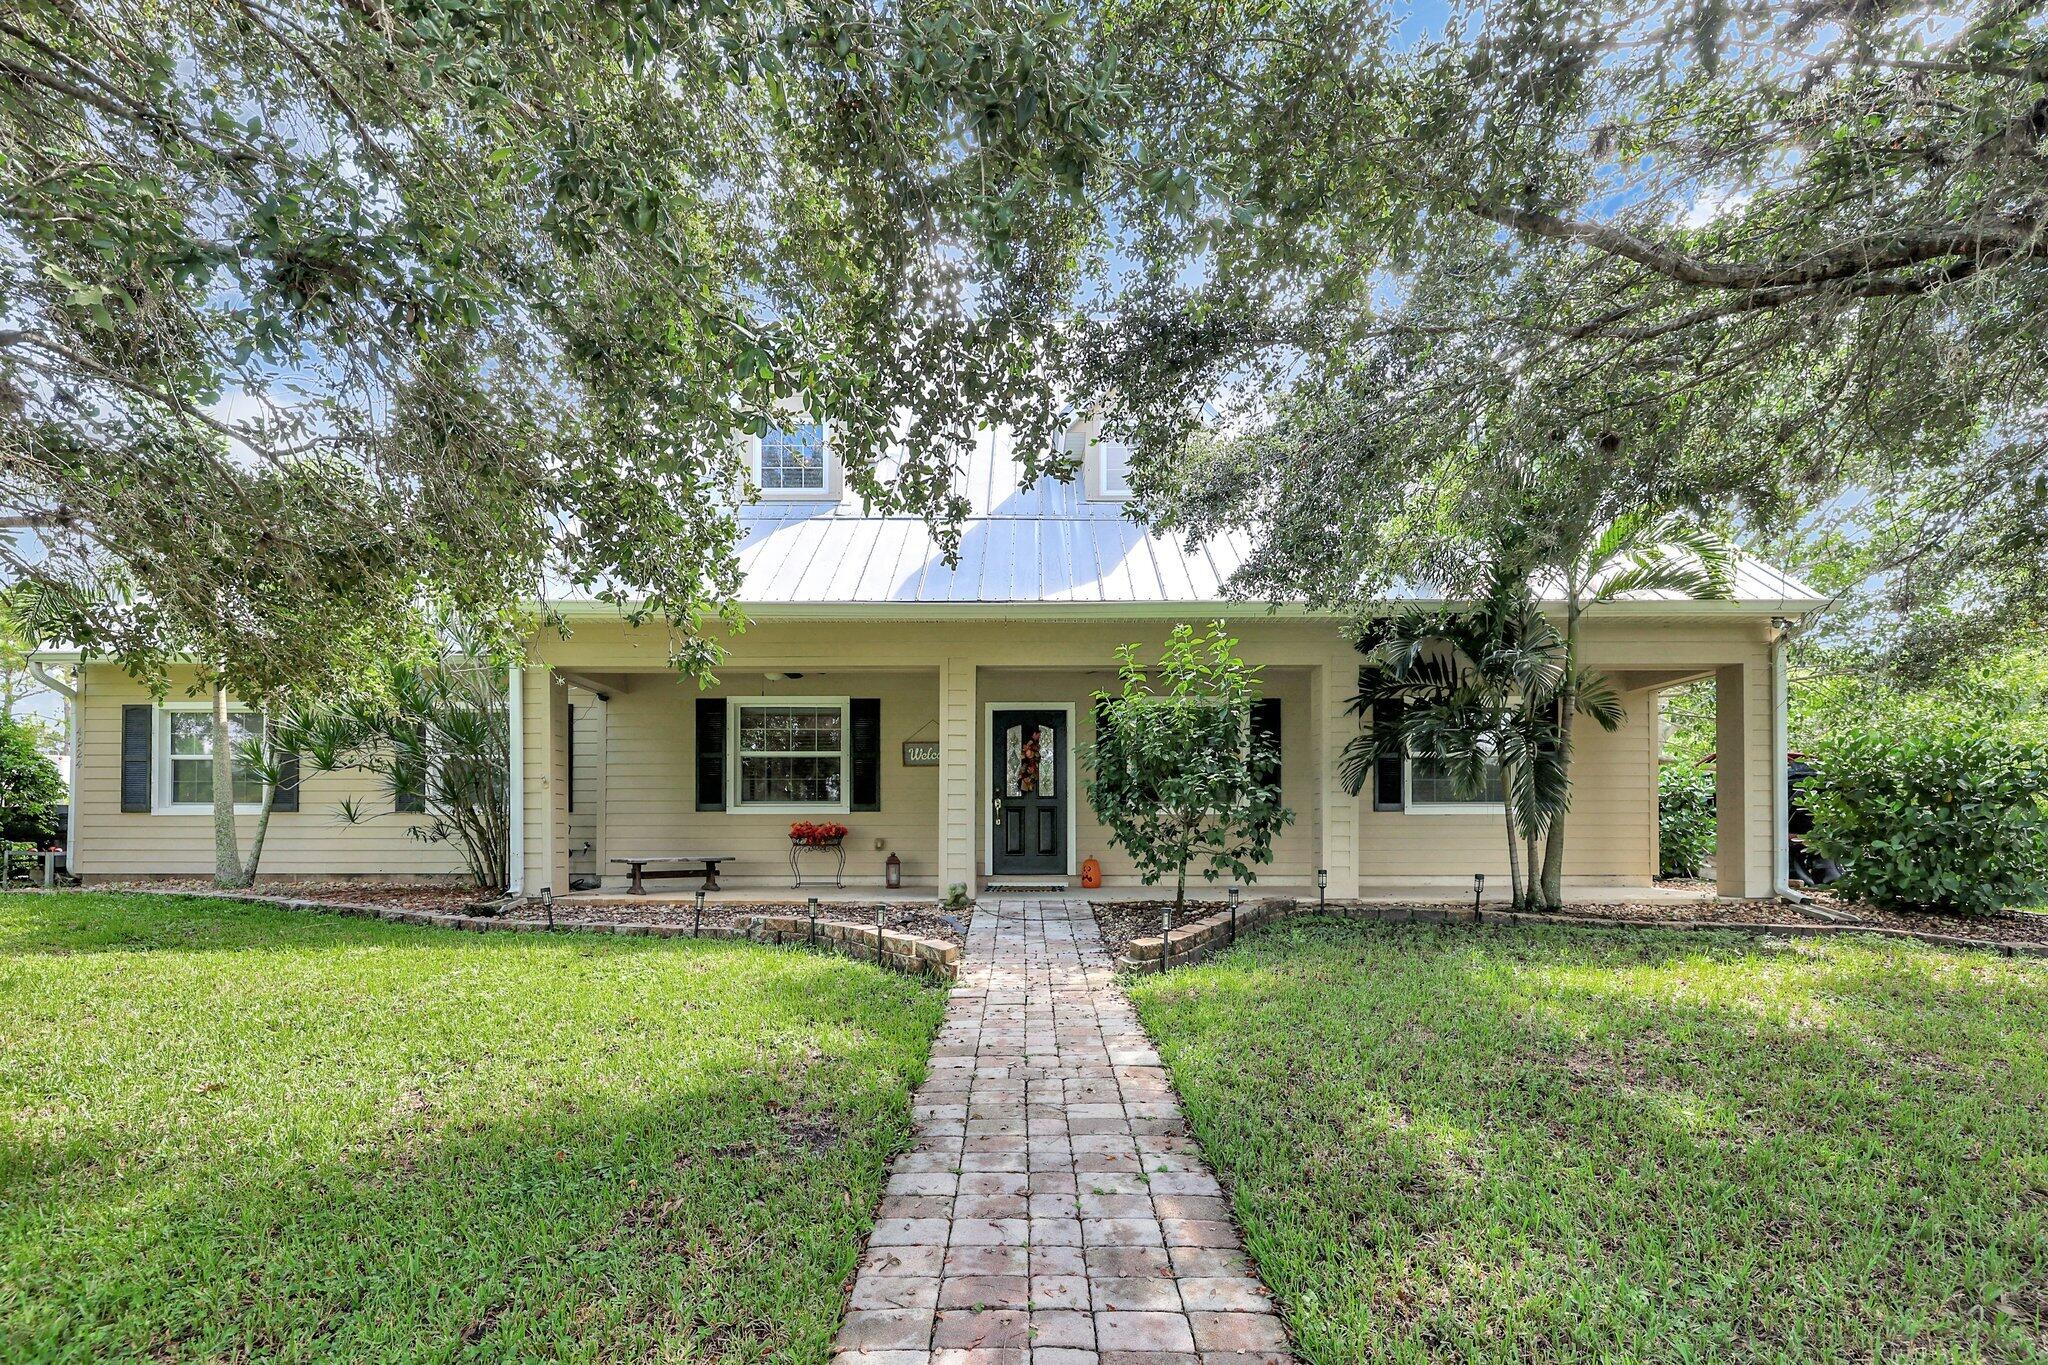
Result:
[
  {"x": 1322, "y": 887},
  {"x": 697, "y": 919},
  {"x": 1478, "y": 889},
  {"x": 893, "y": 872},
  {"x": 1231, "y": 896},
  {"x": 814, "y": 921}
]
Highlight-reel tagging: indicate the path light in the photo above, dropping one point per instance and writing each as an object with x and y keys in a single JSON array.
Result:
[
  {"x": 697, "y": 920},
  {"x": 814, "y": 921},
  {"x": 1322, "y": 886},
  {"x": 1232, "y": 896},
  {"x": 1478, "y": 889},
  {"x": 547, "y": 901}
]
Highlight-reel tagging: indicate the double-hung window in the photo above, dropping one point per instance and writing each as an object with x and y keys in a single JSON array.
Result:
[
  {"x": 185, "y": 756},
  {"x": 789, "y": 754},
  {"x": 1433, "y": 789},
  {"x": 793, "y": 460}
]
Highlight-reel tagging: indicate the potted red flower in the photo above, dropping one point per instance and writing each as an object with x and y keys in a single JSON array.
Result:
[{"x": 817, "y": 833}]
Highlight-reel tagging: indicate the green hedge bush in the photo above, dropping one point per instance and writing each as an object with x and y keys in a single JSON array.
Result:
[
  {"x": 1938, "y": 820},
  {"x": 1685, "y": 820}
]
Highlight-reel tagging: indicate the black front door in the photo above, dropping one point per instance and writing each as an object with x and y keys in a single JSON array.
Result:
[{"x": 1032, "y": 782}]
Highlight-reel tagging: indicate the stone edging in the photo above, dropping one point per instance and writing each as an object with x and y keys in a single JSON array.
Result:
[
  {"x": 898, "y": 952},
  {"x": 1198, "y": 938}
]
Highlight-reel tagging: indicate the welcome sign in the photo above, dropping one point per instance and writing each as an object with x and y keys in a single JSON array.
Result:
[{"x": 920, "y": 753}]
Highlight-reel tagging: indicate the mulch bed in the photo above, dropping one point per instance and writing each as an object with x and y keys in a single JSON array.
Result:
[
  {"x": 1120, "y": 922},
  {"x": 921, "y": 921}
]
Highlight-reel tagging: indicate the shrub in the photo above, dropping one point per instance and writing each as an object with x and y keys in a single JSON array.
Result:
[
  {"x": 1937, "y": 820},
  {"x": 1685, "y": 820},
  {"x": 31, "y": 788}
]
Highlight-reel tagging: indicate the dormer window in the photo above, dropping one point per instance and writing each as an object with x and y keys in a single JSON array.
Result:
[
  {"x": 794, "y": 461},
  {"x": 1105, "y": 466}
]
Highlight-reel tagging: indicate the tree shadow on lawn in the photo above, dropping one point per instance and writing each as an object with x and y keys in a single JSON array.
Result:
[
  {"x": 1490, "y": 1142},
  {"x": 444, "y": 1146}
]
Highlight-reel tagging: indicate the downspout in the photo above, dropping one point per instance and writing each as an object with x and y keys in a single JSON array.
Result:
[
  {"x": 515, "y": 871},
  {"x": 74, "y": 713},
  {"x": 1781, "y": 776}
]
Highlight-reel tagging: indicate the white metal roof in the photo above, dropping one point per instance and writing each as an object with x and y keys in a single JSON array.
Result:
[{"x": 1045, "y": 544}]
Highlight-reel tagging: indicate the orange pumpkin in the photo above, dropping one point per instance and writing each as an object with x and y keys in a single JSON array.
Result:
[{"x": 1091, "y": 873}]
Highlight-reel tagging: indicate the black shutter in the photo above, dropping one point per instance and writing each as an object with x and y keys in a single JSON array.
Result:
[
  {"x": 285, "y": 796},
  {"x": 138, "y": 730},
  {"x": 569, "y": 761},
  {"x": 1266, "y": 726},
  {"x": 1386, "y": 770},
  {"x": 711, "y": 753},
  {"x": 864, "y": 758},
  {"x": 409, "y": 795}
]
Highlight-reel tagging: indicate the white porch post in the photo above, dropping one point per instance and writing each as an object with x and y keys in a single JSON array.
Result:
[
  {"x": 545, "y": 805},
  {"x": 1336, "y": 815},
  {"x": 958, "y": 807},
  {"x": 1744, "y": 815}
]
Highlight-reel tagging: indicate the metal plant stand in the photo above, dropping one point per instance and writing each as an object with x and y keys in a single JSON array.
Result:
[{"x": 798, "y": 848}]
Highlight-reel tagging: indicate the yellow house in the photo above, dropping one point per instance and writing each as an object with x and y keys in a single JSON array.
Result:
[{"x": 879, "y": 688}]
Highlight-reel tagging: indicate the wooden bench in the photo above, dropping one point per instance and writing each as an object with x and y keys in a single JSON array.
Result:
[{"x": 706, "y": 867}]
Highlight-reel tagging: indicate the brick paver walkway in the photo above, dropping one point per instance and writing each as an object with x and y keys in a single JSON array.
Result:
[{"x": 1056, "y": 1211}]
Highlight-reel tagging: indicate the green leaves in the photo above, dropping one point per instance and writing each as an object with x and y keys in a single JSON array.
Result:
[
  {"x": 1941, "y": 820},
  {"x": 1174, "y": 773}
]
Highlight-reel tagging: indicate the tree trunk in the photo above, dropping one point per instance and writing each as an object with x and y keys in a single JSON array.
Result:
[
  {"x": 227, "y": 854},
  {"x": 1507, "y": 805},
  {"x": 256, "y": 843},
  {"x": 1568, "y": 706}
]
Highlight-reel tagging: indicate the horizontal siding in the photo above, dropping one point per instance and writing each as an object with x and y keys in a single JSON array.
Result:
[
  {"x": 650, "y": 784},
  {"x": 311, "y": 841},
  {"x": 1294, "y": 850}
]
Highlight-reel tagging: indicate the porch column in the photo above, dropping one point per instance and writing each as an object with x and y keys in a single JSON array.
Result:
[
  {"x": 545, "y": 727},
  {"x": 958, "y": 806},
  {"x": 1336, "y": 813},
  {"x": 1743, "y": 813}
]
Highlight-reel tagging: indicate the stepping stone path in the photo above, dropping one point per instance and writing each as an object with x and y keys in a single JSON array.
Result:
[{"x": 1056, "y": 1210}]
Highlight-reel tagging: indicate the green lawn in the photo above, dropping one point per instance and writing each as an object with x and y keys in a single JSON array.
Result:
[
  {"x": 231, "y": 1132},
  {"x": 1512, "y": 1144}
]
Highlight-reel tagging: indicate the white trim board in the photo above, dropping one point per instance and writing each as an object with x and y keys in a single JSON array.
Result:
[{"x": 983, "y": 766}]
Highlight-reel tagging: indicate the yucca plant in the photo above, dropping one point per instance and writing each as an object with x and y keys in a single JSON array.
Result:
[{"x": 438, "y": 736}]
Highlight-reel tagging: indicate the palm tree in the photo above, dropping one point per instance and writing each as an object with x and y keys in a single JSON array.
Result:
[
  {"x": 1488, "y": 688},
  {"x": 1478, "y": 691},
  {"x": 1634, "y": 554}
]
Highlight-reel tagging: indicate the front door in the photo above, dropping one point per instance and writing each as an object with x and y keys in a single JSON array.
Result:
[{"x": 1032, "y": 784}]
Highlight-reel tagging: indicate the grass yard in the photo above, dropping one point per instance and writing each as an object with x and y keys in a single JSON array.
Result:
[
  {"x": 1471, "y": 1144},
  {"x": 231, "y": 1132}
]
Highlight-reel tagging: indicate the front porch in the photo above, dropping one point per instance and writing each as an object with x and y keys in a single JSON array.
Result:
[{"x": 906, "y": 733}]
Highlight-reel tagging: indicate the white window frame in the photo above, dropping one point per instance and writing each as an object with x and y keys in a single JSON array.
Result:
[
  {"x": 733, "y": 801},
  {"x": 1412, "y": 807},
  {"x": 829, "y": 491},
  {"x": 161, "y": 742},
  {"x": 1096, "y": 465}
]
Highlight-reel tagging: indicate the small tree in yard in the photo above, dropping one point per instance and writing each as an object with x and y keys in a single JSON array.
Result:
[{"x": 1178, "y": 773}]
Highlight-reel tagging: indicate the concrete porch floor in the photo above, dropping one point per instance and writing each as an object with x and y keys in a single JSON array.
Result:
[{"x": 1380, "y": 893}]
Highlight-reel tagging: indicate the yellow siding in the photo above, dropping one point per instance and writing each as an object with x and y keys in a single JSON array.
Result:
[
  {"x": 650, "y": 782},
  {"x": 636, "y": 771},
  {"x": 311, "y": 840}
]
